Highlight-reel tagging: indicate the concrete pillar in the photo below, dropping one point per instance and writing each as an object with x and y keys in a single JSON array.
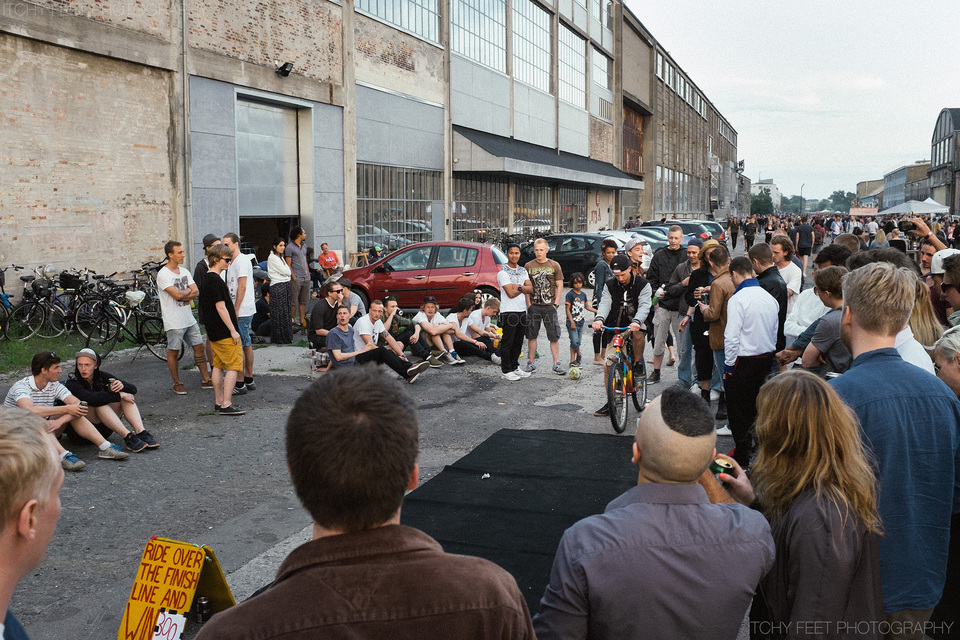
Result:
[{"x": 349, "y": 129}]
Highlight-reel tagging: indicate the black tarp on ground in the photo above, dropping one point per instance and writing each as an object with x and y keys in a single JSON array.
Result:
[{"x": 540, "y": 483}]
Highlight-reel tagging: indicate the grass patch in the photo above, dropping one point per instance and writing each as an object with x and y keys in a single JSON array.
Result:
[
  {"x": 260, "y": 346},
  {"x": 16, "y": 355},
  {"x": 303, "y": 342},
  {"x": 275, "y": 369}
]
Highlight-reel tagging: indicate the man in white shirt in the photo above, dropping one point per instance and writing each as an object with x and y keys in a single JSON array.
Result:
[
  {"x": 479, "y": 322},
  {"x": 366, "y": 337},
  {"x": 749, "y": 343},
  {"x": 177, "y": 289},
  {"x": 782, "y": 250},
  {"x": 241, "y": 286},
  {"x": 514, "y": 283}
]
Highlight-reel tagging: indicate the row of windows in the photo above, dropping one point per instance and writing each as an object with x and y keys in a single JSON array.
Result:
[
  {"x": 480, "y": 31},
  {"x": 602, "y": 11},
  {"x": 680, "y": 85},
  {"x": 572, "y": 63},
  {"x": 532, "y": 53},
  {"x": 394, "y": 205},
  {"x": 942, "y": 152},
  {"x": 726, "y": 131},
  {"x": 678, "y": 192},
  {"x": 419, "y": 17}
]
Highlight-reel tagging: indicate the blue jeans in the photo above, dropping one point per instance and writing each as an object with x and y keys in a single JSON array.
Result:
[
  {"x": 685, "y": 366},
  {"x": 717, "y": 381},
  {"x": 576, "y": 336}
]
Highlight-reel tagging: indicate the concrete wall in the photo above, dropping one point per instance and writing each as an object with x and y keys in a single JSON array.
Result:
[
  {"x": 392, "y": 59},
  {"x": 574, "y": 127},
  {"x": 637, "y": 67},
  {"x": 397, "y": 130},
  {"x": 534, "y": 117},
  {"x": 157, "y": 18},
  {"x": 303, "y": 32},
  {"x": 85, "y": 151},
  {"x": 479, "y": 97}
]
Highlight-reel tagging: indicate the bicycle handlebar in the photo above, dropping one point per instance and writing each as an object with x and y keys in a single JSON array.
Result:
[{"x": 606, "y": 328}]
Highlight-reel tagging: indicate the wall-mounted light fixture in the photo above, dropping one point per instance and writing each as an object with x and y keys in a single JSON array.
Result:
[{"x": 283, "y": 70}]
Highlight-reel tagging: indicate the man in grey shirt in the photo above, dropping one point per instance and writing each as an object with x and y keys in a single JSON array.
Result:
[
  {"x": 826, "y": 351},
  {"x": 661, "y": 561},
  {"x": 296, "y": 256}
]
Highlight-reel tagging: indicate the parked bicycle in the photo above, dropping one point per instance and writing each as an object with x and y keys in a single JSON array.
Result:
[
  {"x": 113, "y": 327},
  {"x": 622, "y": 378}
]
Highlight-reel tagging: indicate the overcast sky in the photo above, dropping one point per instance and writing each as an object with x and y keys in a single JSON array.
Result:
[{"x": 822, "y": 93}]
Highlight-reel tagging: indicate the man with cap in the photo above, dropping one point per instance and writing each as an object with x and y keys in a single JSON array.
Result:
[
  {"x": 690, "y": 566},
  {"x": 177, "y": 288},
  {"x": 667, "y": 313},
  {"x": 198, "y": 272},
  {"x": 352, "y": 300},
  {"x": 625, "y": 302},
  {"x": 375, "y": 254}
]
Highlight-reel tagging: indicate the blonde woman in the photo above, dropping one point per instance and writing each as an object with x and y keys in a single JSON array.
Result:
[
  {"x": 879, "y": 241},
  {"x": 923, "y": 321},
  {"x": 817, "y": 489}
]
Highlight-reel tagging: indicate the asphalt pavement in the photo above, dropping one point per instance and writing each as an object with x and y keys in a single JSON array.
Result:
[{"x": 222, "y": 481}]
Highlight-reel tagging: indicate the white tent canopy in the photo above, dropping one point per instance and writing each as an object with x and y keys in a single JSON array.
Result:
[
  {"x": 942, "y": 208},
  {"x": 914, "y": 207}
]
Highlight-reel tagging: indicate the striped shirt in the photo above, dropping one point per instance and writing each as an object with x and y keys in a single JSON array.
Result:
[{"x": 27, "y": 388}]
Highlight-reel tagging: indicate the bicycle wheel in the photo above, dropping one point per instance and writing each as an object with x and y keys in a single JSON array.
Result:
[
  {"x": 104, "y": 335},
  {"x": 640, "y": 389},
  {"x": 86, "y": 315},
  {"x": 54, "y": 322},
  {"x": 155, "y": 338},
  {"x": 617, "y": 394},
  {"x": 4, "y": 318},
  {"x": 25, "y": 320}
]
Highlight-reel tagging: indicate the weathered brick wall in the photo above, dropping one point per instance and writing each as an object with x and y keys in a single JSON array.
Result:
[
  {"x": 85, "y": 169},
  {"x": 601, "y": 140},
  {"x": 392, "y": 59},
  {"x": 307, "y": 33},
  {"x": 154, "y": 17}
]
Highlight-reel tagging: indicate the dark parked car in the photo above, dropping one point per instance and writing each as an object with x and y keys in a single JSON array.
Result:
[
  {"x": 447, "y": 270},
  {"x": 572, "y": 251},
  {"x": 694, "y": 227},
  {"x": 716, "y": 230}
]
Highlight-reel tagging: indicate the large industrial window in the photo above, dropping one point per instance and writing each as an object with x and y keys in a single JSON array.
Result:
[
  {"x": 479, "y": 31},
  {"x": 419, "y": 17},
  {"x": 394, "y": 205},
  {"x": 573, "y": 209},
  {"x": 532, "y": 209},
  {"x": 480, "y": 209},
  {"x": 602, "y": 70},
  {"x": 602, "y": 11},
  {"x": 573, "y": 68},
  {"x": 532, "y": 53},
  {"x": 268, "y": 172}
]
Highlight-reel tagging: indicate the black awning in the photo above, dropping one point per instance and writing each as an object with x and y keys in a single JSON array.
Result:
[{"x": 476, "y": 151}]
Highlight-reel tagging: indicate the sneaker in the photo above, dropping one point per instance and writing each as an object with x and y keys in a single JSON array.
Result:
[
  {"x": 435, "y": 361},
  {"x": 113, "y": 453},
  {"x": 232, "y": 410},
  {"x": 134, "y": 443},
  {"x": 575, "y": 363},
  {"x": 456, "y": 358},
  {"x": 180, "y": 390},
  {"x": 207, "y": 384},
  {"x": 241, "y": 390},
  {"x": 724, "y": 431},
  {"x": 522, "y": 373},
  {"x": 530, "y": 367},
  {"x": 446, "y": 358},
  {"x": 251, "y": 385},
  {"x": 148, "y": 439},
  {"x": 71, "y": 462},
  {"x": 495, "y": 359},
  {"x": 604, "y": 411},
  {"x": 415, "y": 370},
  {"x": 654, "y": 377},
  {"x": 560, "y": 371},
  {"x": 714, "y": 395},
  {"x": 511, "y": 376}
]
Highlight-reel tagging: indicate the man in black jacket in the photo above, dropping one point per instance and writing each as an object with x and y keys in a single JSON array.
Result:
[
  {"x": 772, "y": 282},
  {"x": 667, "y": 313}
]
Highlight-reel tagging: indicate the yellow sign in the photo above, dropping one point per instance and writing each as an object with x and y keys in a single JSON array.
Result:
[{"x": 170, "y": 575}]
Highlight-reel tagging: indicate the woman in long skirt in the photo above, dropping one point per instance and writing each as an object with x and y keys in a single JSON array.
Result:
[{"x": 281, "y": 331}]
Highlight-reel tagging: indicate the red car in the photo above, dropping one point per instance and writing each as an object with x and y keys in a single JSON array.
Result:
[{"x": 447, "y": 270}]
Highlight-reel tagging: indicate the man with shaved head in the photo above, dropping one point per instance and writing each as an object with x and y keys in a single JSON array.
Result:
[{"x": 661, "y": 560}]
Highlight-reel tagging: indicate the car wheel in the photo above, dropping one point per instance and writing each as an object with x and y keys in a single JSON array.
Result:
[
  {"x": 486, "y": 293},
  {"x": 592, "y": 279},
  {"x": 364, "y": 298}
]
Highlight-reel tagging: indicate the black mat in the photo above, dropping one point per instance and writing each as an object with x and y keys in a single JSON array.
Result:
[{"x": 540, "y": 483}]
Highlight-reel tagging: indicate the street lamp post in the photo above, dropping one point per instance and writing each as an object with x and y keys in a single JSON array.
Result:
[{"x": 801, "y": 197}]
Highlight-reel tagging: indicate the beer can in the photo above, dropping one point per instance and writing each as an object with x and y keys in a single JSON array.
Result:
[
  {"x": 705, "y": 298},
  {"x": 719, "y": 465},
  {"x": 83, "y": 403},
  {"x": 203, "y": 609}
]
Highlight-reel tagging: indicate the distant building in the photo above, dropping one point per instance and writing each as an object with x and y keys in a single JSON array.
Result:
[
  {"x": 906, "y": 183},
  {"x": 767, "y": 184},
  {"x": 870, "y": 193},
  {"x": 743, "y": 197},
  {"x": 945, "y": 160}
]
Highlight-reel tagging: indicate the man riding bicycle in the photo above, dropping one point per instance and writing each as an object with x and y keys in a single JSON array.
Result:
[{"x": 626, "y": 298}]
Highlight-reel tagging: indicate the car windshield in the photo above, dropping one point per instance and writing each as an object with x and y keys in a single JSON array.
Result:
[{"x": 498, "y": 256}]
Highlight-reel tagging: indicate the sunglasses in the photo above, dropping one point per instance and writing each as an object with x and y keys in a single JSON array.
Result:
[
  {"x": 337, "y": 290},
  {"x": 227, "y": 259},
  {"x": 944, "y": 287}
]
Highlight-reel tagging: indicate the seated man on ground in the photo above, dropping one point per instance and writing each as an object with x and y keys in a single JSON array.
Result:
[
  {"x": 39, "y": 393},
  {"x": 367, "y": 334},
  {"x": 433, "y": 334},
  {"x": 323, "y": 318},
  {"x": 479, "y": 322},
  {"x": 346, "y": 352},
  {"x": 398, "y": 326},
  {"x": 364, "y": 575},
  {"x": 690, "y": 567},
  {"x": 463, "y": 342},
  {"x": 30, "y": 481},
  {"x": 109, "y": 398}
]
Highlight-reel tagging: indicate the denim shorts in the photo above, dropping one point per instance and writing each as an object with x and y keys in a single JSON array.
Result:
[
  {"x": 243, "y": 328},
  {"x": 190, "y": 336}
]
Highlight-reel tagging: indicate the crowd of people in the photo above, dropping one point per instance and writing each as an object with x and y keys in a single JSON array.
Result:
[{"x": 836, "y": 508}]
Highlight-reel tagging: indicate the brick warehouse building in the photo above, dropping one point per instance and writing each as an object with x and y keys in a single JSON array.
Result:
[{"x": 388, "y": 121}]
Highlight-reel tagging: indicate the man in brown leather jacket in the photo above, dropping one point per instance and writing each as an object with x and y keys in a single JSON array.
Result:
[{"x": 364, "y": 575}]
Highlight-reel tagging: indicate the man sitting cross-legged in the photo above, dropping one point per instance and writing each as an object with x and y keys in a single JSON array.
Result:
[{"x": 364, "y": 575}]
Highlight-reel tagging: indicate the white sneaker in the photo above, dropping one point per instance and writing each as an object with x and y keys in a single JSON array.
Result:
[
  {"x": 724, "y": 431},
  {"x": 714, "y": 395},
  {"x": 522, "y": 373},
  {"x": 511, "y": 376},
  {"x": 495, "y": 359}
]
